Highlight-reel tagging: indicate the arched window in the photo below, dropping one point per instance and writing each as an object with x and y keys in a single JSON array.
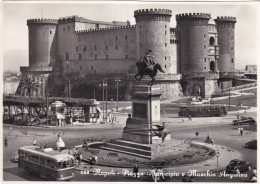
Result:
[{"x": 212, "y": 40}]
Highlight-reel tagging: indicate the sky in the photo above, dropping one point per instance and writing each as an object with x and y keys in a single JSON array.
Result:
[{"x": 15, "y": 15}]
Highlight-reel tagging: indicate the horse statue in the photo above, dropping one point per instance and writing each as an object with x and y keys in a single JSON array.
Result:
[{"x": 150, "y": 70}]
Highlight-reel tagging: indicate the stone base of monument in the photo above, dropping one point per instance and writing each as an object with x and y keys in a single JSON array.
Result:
[
  {"x": 144, "y": 134},
  {"x": 147, "y": 151}
]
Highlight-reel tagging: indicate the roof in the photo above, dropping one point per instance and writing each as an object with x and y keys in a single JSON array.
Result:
[{"x": 47, "y": 152}]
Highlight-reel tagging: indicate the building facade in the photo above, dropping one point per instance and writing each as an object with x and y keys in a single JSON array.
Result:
[{"x": 73, "y": 52}]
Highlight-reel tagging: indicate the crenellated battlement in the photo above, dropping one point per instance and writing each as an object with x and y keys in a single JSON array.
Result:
[
  {"x": 226, "y": 19},
  {"x": 193, "y": 15},
  {"x": 42, "y": 21},
  {"x": 72, "y": 18},
  {"x": 152, "y": 11},
  {"x": 105, "y": 29}
]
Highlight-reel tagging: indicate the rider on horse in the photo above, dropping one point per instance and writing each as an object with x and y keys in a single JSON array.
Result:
[{"x": 148, "y": 59}]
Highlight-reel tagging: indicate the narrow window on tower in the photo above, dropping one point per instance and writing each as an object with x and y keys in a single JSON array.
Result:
[
  {"x": 85, "y": 48},
  {"x": 165, "y": 32},
  {"x": 116, "y": 47},
  {"x": 165, "y": 66},
  {"x": 106, "y": 47},
  {"x": 165, "y": 58},
  {"x": 116, "y": 38},
  {"x": 232, "y": 60},
  {"x": 50, "y": 32},
  {"x": 165, "y": 44},
  {"x": 204, "y": 46},
  {"x": 91, "y": 68},
  {"x": 205, "y": 68},
  {"x": 165, "y": 26},
  {"x": 95, "y": 47},
  {"x": 106, "y": 56},
  {"x": 232, "y": 48},
  {"x": 205, "y": 60},
  {"x": 67, "y": 56},
  {"x": 204, "y": 35},
  {"x": 126, "y": 37}
]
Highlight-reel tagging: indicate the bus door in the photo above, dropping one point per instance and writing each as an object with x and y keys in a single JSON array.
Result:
[{"x": 43, "y": 167}]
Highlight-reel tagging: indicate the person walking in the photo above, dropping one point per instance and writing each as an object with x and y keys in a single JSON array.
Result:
[
  {"x": 190, "y": 118},
  {"x": 80, "y": 158},
  {"x": 241, "y": 131},
  {"x": 153, "y": 174},
  {"x": 136, "y": 171},
  {"x": 6, "y": 141},
  {"x": 34, "y": 142}
]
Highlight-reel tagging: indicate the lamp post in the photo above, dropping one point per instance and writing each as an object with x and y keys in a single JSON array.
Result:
[
  {"x": 104, "y": 84},
  {"x": 217, "y": 155},
  {"x": 117, "y": 81}
]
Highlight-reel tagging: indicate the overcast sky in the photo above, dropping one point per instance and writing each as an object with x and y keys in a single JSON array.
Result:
[{"x": 15, "y": 30}]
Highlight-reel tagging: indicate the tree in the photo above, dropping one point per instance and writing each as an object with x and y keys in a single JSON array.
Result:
[{"x": 29, "y": 84}]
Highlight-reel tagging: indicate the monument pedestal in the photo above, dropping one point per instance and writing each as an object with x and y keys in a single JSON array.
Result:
[{"x": 144, "y": 135}]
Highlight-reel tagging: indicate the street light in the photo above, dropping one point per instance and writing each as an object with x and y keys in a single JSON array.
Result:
[
  {"x": 104, "y": 84},
  {"x": 217, "y": 155},
  {"x": 117, "y": 81}
]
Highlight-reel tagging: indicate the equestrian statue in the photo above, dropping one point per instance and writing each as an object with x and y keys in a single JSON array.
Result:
[{"x": 146, "y": 66}]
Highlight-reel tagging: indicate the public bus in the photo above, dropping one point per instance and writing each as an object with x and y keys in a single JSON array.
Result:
[
  {"x": 202, "y": 110},
  {"x": 46, "y": 163}
]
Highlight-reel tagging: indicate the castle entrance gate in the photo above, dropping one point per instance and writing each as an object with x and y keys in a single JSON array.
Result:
[{"x": 212, "y": 66}]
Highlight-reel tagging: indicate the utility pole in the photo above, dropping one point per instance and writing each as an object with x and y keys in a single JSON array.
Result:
[
  {"x": 117, "y": 81},
  {"x": 69, "y": 91}
]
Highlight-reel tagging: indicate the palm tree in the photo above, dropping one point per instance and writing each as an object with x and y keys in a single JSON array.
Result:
[{"x": 29, "y": 84}]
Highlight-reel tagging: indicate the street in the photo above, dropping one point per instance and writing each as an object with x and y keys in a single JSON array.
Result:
[{"x": 218, "y": 128}]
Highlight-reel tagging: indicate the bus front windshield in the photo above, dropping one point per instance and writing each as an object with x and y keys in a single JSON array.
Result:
[{"x": 65, "y": 164}]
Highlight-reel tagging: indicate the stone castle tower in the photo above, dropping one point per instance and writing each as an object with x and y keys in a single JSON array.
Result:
[
  {"x": 42, "y": 42},
  {"x": 153, "y": 31},
  {"x": 192, "y": 34},
  {"x": 226, "y": 40}
]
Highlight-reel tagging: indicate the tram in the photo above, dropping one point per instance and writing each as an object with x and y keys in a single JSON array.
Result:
[
  {"x": 46, "y": 163},
  {"x": 202, "y": 110}
]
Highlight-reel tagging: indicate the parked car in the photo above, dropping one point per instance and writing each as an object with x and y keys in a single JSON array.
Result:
[
  {"x": 237, "y": 166},
  {"x": 251, "y": 144},
  {"x": 244, "y": 121}
]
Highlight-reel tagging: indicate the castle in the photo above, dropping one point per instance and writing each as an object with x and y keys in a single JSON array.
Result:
[{"x": 73, "y": 52}]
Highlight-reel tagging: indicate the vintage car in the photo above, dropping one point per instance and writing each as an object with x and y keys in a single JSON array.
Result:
[
  {"x": 238, "y": 166},
  {"x": 244, "y": 121},
  {"x": 251, "y": 144}
]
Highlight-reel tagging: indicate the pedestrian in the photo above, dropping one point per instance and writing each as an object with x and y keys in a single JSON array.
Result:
[
  {"x": 96, "y": 159},
  {"x": 136, "y": 171},
  {"x": 241, "y": 131},
  {"x": 6, "y": 141},
  {"x": 80, "y": 158},
  {"x": 185, "y": 178},
  {"x": 160, "y": 174},
  {"x": 69, "y": 151},
  {"x": 245, "y": 112},
  {"x": 191, "y": 179},
  {"x": 212, "y": 141},
  {"x": 190, "y": 118},
  {"x": 153, "y": 174},
  {"x": 34, "y": 142}
]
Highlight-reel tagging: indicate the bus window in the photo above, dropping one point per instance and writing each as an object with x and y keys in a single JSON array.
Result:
[
  {"x": 26, "y": 156},
  {"x": 50, "y": 163}
]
